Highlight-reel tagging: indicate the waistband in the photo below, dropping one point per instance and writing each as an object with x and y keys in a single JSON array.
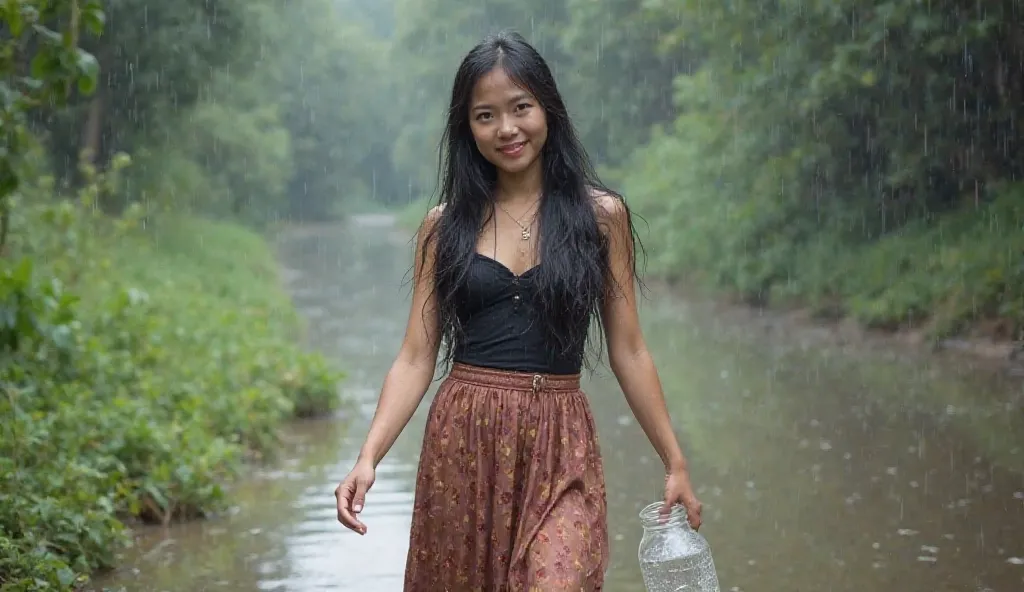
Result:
[{"x": 510, "y": 379}]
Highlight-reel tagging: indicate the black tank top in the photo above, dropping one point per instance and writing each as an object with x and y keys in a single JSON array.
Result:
[{"x": 500, "y": 325}]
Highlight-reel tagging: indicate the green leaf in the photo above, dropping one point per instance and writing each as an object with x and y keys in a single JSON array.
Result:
[
  {"x": 31, "y": 83},
  {"x": 42, "y": 65},
  {"x": 66, "y": 577},
  {"x": 89, "y": 71},
  {"x": 94, "y": 18},
  {"x": 8, "y": 179},
  {"x": 14, "y": 21},
  {"x": 23, "y": 272},
  {"x": 48, "y": 34}
]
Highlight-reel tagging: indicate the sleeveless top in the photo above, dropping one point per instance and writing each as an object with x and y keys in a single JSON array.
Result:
[{"x": 501, "y": 327}]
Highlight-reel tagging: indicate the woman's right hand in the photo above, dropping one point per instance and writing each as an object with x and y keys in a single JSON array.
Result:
[{"x": 351, "y": 495}]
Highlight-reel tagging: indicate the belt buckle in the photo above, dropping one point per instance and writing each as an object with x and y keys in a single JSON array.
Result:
[{"x": 538, "y": 383}]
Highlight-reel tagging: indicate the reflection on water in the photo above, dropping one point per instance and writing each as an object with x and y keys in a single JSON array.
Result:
[{"x": 820, "y": 469}]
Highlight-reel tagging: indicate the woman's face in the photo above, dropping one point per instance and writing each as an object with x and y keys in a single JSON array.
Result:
[{"x": 508, "y": 124}]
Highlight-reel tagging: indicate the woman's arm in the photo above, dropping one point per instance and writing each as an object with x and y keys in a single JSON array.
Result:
[
  {"x": 409, "y": 377},
  {"x": 404, "y": 385},
  {"x": 630, "y": 360}
]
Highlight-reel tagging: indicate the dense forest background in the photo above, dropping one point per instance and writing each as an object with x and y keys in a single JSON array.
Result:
[{"x": 860, "y": 159}]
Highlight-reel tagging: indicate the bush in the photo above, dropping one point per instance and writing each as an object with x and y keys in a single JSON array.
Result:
[
  {"x": 946, "y": 272},
  {"x": 949, "y": 272},
  {"x": 138, "y": 371}
]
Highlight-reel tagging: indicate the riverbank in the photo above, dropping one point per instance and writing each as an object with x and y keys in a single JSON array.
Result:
[
  {"x": 957, "y": 326},
  {"x": 803, "y": 324},
  {"x": 144, "y": 366}
]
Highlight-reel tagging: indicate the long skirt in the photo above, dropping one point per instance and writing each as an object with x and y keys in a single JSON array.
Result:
[{"x": 510, "y": 490}]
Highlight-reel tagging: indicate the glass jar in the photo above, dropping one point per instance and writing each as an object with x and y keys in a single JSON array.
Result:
[{"x": 673, "y": 556}]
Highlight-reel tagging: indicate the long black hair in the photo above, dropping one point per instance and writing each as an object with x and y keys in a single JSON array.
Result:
[{"x": 570, "y": 281}]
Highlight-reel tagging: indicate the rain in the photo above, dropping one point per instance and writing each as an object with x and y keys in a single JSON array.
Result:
[{"x": 208, "y": 215}]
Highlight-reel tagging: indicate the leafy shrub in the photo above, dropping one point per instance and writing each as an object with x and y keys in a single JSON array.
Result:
[
  {"x": 944, "y": 272},
  {"x": 138, "y": 371}
]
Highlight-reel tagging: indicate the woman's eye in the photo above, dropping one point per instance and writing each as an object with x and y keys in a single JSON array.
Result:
[
  {"x": 483, "y": 116},
  {"x": 522, "y": 106}
]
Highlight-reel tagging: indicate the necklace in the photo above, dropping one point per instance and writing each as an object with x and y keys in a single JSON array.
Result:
[{"x": 526, "y": 234}]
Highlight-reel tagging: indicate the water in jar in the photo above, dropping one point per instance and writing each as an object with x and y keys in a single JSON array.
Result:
[{"x": 673, "y": 556}]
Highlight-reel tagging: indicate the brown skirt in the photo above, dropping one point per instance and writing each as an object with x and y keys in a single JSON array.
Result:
[{"x": 510, "y": 491}]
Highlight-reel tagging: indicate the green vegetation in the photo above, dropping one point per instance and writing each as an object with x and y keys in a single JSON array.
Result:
[
  {"x": 147, "y": 347},
  {"x": 854, "y": 157},
  {"x": 950, "y": 273},
  {"x": 140, "y": 370},
  {"x": 816, "y": 157}
]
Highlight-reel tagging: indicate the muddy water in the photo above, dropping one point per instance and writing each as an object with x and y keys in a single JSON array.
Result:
[{"x": 820, "y": 468}]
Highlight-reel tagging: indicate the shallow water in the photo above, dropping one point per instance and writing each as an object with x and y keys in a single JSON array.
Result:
[{"x": 821, "y": 468}]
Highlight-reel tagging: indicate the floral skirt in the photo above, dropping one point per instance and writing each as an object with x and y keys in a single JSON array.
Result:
[{"x": 510, "y": 491}]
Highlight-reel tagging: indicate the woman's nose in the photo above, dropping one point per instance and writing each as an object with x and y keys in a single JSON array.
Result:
[{"x": 507, "y": 129}]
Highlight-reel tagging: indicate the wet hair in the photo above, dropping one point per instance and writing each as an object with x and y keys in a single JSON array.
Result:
[{"x": 573, "y": 252}]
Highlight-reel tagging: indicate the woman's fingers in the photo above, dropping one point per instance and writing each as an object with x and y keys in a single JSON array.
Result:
[{"x": 344, "y": 494}]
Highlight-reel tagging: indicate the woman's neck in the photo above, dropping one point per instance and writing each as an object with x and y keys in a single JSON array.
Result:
[{"x": 522, "y": 186}]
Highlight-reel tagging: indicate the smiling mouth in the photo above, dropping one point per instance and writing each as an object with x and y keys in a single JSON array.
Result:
[{"x": 512, "y": 149}]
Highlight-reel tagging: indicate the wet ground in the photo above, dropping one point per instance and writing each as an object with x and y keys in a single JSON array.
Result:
[{"x": 821, "y": 468}]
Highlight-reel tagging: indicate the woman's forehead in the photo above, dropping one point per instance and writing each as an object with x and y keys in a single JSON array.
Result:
[{"x": 497, "y": 87}]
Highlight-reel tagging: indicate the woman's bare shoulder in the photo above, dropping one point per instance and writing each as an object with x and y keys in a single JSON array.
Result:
[
  {"x": 430, "y": 220},
  {"x": 609, "y": 206}
]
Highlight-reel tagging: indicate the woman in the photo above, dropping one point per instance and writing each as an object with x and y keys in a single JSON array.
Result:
[{"x": 524, "y": 249}]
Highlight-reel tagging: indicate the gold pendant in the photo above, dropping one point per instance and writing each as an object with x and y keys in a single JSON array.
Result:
[{"x": 526, "y": 234}]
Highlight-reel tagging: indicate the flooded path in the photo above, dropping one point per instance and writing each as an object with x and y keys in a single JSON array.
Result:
[{"x": 820, "y": 470}]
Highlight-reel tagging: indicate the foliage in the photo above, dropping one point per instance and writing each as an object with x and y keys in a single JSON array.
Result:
[
  {"x": 39, "y": 64},
  {"x": 336, "y": 107},
  {"x": 954, "y": 272},
  {"x": 139, "y": 370},
  {"x": 619, "y": 74},
  {"x": 145, "y": 353},
  {"x": 224, "y": 96},
  {"x": 816, "y": 156},
  {"x": 848, "y": 155}
]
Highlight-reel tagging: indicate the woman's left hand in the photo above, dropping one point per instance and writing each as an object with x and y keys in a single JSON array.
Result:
[{"x": 679, "y": 491}]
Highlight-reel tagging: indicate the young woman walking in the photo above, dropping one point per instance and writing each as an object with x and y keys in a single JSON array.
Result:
[{"x": 525, "y": 248}]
